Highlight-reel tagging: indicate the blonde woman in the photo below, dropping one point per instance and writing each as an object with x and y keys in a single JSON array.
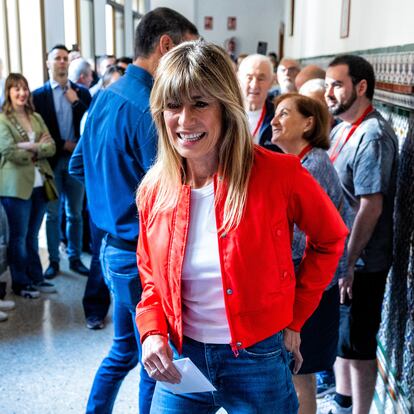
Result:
[
  {"x": 214, "y": 255},
  {"x": 25, "y": 145}
]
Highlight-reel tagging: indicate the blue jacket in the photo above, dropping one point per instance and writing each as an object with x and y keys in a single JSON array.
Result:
[
  {"x": 116, "y": 149},
  {"x": 265, "y": 132},
  {"x": 43, "y": 102}
]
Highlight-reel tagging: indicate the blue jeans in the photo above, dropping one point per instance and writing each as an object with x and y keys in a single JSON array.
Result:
[
  {"x": 96, "y": 299},
  {"x": 25, "y": 218},
  {"x": 71, "y": 193},
  {"x": 121, "y": 275},
  {"x": 257, "y": 381}
]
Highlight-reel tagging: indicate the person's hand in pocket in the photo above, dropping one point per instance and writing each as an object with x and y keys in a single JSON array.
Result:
[{"x": 292, "y": 344}]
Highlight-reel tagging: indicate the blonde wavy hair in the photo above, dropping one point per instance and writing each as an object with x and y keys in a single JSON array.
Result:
[{"x": 204, "y": 68}]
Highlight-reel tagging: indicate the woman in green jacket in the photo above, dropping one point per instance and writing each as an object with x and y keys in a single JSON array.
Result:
[{"x": 25, "y": 145}]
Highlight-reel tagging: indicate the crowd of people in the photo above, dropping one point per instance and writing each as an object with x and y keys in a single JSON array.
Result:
[
  {"x": 239, "y": 215},
  {"x": 34, "y": 163}
]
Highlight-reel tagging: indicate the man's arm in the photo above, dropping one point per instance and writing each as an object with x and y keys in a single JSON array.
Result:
[
  {"x": 76, "y": 168},
  {"x": 145, "y": 141},
  {"x": 366, "y": 219}
]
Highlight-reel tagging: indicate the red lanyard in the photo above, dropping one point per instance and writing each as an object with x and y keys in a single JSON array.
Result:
[
  {"x": 260, "y": 121},
  {"x": 336, "y": 151},
  {"x": 305, "y": 150}
]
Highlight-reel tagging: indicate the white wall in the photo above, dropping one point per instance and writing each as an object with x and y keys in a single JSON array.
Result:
[
  {"x": 373, "y": 24},
  {"x": 257, "y": 20},
  {"x": 185, "y": 7},
  {"x": 54, "y": 22},
  {"x": 99, "y": 27},
  {"x": 129, "y": 30}
]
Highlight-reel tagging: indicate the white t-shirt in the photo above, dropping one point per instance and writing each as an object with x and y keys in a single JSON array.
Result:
[
  {"x": 38, "y": 181},
  {"x": 254, "y": 117},
  {"x": 204, "y": 313}
]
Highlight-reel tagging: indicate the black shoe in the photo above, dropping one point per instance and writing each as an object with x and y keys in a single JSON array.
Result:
[
  {"x": 77, "y": 266},
  {"x": 95, "y": 324},
  {"x": 52, "y": 271}
]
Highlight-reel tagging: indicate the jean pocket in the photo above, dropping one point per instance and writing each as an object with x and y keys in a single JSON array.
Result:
[
  {"x": 268, "y": 348},
  {"x": 125, "y": 289}
]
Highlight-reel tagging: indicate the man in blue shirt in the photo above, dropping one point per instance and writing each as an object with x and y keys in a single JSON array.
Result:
[
  {"x": 116, "y": 149},
  {"x": 62, "y": 103}
]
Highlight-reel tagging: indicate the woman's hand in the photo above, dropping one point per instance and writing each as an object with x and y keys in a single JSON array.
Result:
[
  {"x": 28, "y": 146},
  {"x": 45, "y": 138},
  {"x": 157, "y": 358},
  {"x": 292, "y": 344}
]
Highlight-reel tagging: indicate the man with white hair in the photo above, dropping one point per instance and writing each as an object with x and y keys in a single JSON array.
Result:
[
  {"x": 103, "y": 63},
  {"x": 286, "y": 74},
  {"x": 314, "y": 88},
  {"x": 256, "y": 76},
  {"x": 80, "y": 72}
]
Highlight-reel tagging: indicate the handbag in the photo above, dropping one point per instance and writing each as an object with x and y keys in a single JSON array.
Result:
[{"x": 49, "y": 185}]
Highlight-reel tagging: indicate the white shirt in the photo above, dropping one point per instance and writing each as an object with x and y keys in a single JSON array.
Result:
[
  {"x": 254, "y": 117},
  {"x": 204, "y": 313},
  {"x": 38, "y": 181}
]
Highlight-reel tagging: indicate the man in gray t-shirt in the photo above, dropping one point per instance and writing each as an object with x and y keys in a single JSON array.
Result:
[
  {"x": 364, "y": 152},
  {"x": 366, "y": 165}
]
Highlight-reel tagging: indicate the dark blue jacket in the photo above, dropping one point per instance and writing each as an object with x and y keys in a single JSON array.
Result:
[
  {"x": 116, "y": 149},
  {"x": 44, "y": 105},
  {"x": 265, "y": 132}
]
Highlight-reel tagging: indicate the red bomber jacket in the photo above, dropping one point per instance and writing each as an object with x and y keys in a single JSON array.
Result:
[{"x": 262, "y": 295}]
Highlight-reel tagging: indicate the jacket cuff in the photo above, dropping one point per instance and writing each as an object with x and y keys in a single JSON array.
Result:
[
  {"x": 149, "y": 333},
  {"x": 151, "y": 322}
]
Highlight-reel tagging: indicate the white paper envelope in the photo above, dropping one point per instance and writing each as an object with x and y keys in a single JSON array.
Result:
[{"x": 192, "y": 379}]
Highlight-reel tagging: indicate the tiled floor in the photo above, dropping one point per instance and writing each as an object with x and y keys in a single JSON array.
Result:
[{"x": 48, "y": 357}]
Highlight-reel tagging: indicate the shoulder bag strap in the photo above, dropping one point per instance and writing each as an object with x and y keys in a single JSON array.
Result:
[{"x": 22, "y": 132}]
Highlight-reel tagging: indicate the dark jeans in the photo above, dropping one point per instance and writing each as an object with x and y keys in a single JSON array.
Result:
[
  {"x": 71, "y": 194},
  {"x": 121, "y": 275},
  {"x": 25, "y": 218},
  {"x": 257, "y": 381},
  {"x": 96, "y": 299}
]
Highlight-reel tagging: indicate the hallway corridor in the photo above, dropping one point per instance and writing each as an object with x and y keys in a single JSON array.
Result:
[{"x": 48, "y": 357}]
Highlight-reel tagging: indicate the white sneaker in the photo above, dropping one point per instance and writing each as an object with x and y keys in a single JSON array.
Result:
[
  {"x": 3, "y": 316},
  {"x": 45, "y": 287},
  {"x": 28, "y": 292},
  {"x": 6, "y": 305},
  {"x": 328, "y": 405}
]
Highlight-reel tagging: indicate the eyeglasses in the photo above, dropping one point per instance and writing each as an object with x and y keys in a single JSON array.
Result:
[{"x": 283, "y": 69}]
